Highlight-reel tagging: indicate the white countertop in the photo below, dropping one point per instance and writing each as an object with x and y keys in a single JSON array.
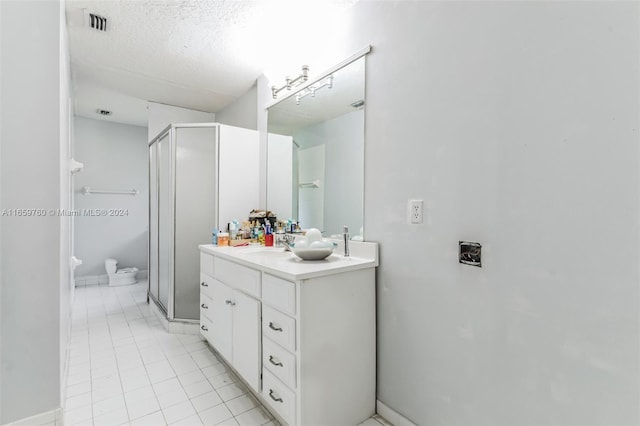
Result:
[{"x": 285, "y": 264}]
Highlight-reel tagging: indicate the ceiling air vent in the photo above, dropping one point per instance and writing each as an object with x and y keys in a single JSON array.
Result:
[
  {"x": 96, "y": 22},
  {"x": 103, "y": 112}
]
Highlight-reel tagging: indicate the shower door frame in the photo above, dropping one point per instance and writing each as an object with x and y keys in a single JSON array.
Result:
[
  {"x": 155, "y": 234},
  {"x": 171, "y": 132}
]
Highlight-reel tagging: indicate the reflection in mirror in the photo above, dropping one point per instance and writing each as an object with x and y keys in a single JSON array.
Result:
[{"x": 315, "y": 168}]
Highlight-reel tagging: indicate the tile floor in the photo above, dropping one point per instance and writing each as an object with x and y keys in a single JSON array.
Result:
[{"x": 125, "y": 369}]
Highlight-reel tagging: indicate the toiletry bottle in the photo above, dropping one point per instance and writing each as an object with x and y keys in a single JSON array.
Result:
[
  {"x": 279, "y": 236},
  {"x": 256, "y": 231},
  {"x": 268, "y": 235},
  {"x": 214, "y": 237},
  {"x": 233, "y": 230},
  {"x": 223, "y": 238}
]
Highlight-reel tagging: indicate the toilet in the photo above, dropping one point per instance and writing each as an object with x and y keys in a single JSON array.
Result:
[{"x": 117, "y": 276}]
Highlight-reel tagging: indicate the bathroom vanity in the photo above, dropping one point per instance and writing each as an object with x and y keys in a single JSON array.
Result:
[{"x": 301, "y": 334}]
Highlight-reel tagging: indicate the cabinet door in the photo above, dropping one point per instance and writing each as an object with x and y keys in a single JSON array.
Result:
[
  {"x": 221, "y": 319},
  {"x": 247, "y": 356}
]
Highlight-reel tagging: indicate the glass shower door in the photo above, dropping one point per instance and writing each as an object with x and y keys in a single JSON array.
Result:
[{"x": 195, "y": 212}]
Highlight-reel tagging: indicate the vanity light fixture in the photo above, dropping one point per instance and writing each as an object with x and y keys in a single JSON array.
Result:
[
  {"x": 311, "y": 90},
  {"x": 290, "y": 82}
]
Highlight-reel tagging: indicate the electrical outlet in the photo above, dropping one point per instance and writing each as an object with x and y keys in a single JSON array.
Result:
[{"x": 415, "y": 211}]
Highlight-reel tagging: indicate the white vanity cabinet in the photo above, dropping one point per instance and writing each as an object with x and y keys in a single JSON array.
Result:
[
  {"x": 316, "y": 337},
  {"x": 230, "y": 319},
  {"x": 318, "y": 343}
]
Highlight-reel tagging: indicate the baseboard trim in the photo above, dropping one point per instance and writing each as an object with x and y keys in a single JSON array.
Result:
[
  {"x": 84, "y": 280},
  {"x": 391, "y": 415},
  {"x": 50, "y": 418}
]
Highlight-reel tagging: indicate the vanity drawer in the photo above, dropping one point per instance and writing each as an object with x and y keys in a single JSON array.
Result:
[
  {"x": 280, "y": 362},
  {"x": 279, "y": 293},
  {"x": 279, "y": 328},
  {"x": 206, "y": 305},
  {"x": 279, "y": 397},
  {"x": 206, "y": 264},
  {"x": 206, "y": 285},
  {"x": 237, "y": 276}
]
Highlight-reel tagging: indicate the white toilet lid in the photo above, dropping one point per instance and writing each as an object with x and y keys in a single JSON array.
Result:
[{"x": 126, "y": 270}]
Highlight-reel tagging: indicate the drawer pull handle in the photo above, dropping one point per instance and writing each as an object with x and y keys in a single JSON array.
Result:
[
  {"x": 203, "y": 284},
  {"x": 273, "y": 327},
  {"x": 279, "y": 364},
  {"x": 273, "y": 397},
  {"x": 204, "y": 328},
  {"x": 203, "y": 306}
]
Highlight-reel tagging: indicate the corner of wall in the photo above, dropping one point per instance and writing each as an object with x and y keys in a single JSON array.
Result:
[
  {"x": 161, "y": 115},
  {"x": 241, "y": 112},
  {"x": 1, "y": 204},
  {"x": 263, "y": 95}
]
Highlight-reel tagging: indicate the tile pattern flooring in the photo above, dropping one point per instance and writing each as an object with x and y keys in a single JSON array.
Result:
[{"x": 125, "y": 369}]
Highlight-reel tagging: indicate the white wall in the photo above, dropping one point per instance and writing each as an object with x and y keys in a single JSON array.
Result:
[
  {"x": 280, "y": 176},
  {"x": 517, "y": 123},
  {"x": 33, "y": 65},
  {"x": 115, "y": 157},
  {"x": 161, "y": 115},
  {"x": 242, "y": 112}
]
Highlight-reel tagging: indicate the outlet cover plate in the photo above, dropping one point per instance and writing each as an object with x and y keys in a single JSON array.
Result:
[{"x": 416, "y": 211}]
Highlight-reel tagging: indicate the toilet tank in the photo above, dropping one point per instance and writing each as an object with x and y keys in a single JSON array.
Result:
[{"x": 111, "y": 265}]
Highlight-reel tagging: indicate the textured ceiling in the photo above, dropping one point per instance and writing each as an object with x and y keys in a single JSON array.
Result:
[{"x": 195, "y": 54}]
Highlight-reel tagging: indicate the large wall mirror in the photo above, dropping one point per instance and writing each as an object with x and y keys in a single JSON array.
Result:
[{"x": 315, "y": 166}]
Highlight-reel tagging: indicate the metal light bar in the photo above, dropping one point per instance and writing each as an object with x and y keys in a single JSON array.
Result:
[
  {"x": 311, "y": 90},
  {"x": 290, "y": 82},
  {"x": 359, "y": 54}
]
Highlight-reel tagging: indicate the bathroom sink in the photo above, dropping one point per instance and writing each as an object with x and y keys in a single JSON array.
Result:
[{"x": 264, "y": 252}]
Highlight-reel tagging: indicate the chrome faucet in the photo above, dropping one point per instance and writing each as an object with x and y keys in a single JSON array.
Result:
[{"x": 345, "y": 237}]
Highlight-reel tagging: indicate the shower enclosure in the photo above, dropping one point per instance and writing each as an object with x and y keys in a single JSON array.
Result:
[{"x": 195, "y": 185}]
